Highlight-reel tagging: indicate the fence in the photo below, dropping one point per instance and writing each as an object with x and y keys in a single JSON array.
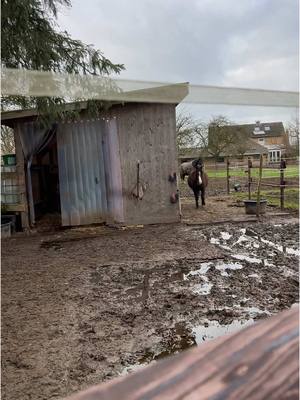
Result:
[
  {"x": 280, "y": 186},
  {"x": 10, "y": 187},
  {"x": 277, "y": 180}
]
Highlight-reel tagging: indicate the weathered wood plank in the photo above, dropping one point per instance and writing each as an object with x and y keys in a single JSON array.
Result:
[
  {"x": 16, "y": 208},
  {"x": 21, "y": 179},
  {"x": 259, "y": 362}
]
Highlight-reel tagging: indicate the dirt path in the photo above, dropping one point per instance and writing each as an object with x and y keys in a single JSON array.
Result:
[{"x": 79, "y": 312}]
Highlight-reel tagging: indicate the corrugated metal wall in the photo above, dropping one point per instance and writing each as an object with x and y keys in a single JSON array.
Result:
[{"x": 81, "y": 172}]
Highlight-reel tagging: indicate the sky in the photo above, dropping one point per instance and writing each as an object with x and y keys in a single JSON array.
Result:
[{"x": 239, "y": 43}]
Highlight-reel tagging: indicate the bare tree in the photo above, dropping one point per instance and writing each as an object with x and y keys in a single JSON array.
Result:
[
  {"x": 215, "y": 138},
  {"x": 223, "y": 139},
  {"x": 293, "y": 132},
  {"x": 7, "y": 140},
  {"x": 220, "y": 137},
  {"x": 185, "y": 126}
]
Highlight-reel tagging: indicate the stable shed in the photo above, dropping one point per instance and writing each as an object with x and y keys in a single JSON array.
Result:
[{"x": 118, "y": 167}]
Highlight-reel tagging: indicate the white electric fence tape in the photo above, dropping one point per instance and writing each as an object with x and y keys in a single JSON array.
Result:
[{"x": 19, "y": 82}]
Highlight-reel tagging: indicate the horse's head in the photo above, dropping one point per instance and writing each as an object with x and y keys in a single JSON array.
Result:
[{"x": 198, "y": 163}]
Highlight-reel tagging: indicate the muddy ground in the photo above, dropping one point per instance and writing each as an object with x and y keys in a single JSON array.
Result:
[{"x": 80, "y": 307}]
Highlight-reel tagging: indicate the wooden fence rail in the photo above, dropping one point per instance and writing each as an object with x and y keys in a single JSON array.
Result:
[
  {"x": 258, "y": 362},
  {"x": 281, "y": 185}
]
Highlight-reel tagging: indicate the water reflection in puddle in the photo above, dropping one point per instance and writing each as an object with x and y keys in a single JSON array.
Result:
[
  {"x": 213, "y": 329},
  {"x": 246, "y": 258},
  {"x": 224, "y": 266},
  {"x": 250, "y": 242},
  {"x": 202, "y": 289},
  {"x": 225, "y": 235},
  {"x": 204, "y": 267},
  {"x": 183, "y": 337}
]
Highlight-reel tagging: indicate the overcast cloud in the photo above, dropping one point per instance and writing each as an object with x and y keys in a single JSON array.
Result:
[{"x": 243, "y": 43}]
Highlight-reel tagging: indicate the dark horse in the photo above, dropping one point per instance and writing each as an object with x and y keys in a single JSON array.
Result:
[{"x": 198, "y": 181}]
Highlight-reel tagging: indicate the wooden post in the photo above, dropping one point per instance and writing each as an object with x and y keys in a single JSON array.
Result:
[
  {"x": 227, "y": 175},
  {"x": 249, "y": 178},
  {"x": 282, "y": 183},
  {"x": 21, "y": 179},
  {"x": 259, "y": 185},
  {"x": 138, "y": 180}
]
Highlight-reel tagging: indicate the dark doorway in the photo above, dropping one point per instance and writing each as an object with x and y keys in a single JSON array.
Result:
[{"x": 45, "y": 181}]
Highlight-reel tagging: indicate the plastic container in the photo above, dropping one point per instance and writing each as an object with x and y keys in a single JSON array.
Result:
[
  {"x": 8, "y": 168},
  {"x": 10, "y": 198},
  {"x": 6, "y": 218},
  {"x": 250, "y": 206},
  {"x": 5, "y": 230},
  {"x": 9, "y": 159}
]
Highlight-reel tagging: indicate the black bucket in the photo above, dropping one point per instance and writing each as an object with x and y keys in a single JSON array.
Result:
[{"x": 250, "y": 206}]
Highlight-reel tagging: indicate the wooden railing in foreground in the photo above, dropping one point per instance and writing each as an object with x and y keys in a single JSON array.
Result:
[{"x": 259, "y": 362}]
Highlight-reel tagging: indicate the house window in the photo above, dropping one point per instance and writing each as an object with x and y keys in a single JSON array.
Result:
[
  {"x": 267, "y": 128},
  {"x": 261, "y": 141},
  {"x": 274, "y": 155},
  {"x": 258, "y": 131}
]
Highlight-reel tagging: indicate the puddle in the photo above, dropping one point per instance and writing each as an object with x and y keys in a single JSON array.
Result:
[
  {"x": 282, "y": 249},
  {"x": 214, "y": 241},
  {"x": 201, "y": 271},
  {"x": 223, "y": 246},
  {"x": 213, "y": 329},
  {"x": 225, "y": 235},
  {"x": 253, "y": 311},
  {"x": 249, "y": 242},
  {"x": 246, "y": 258},
  {"x": 202, "y": 289},
  {"x": 224, "y": 266},
  {"x": 255, "y": 276},
  {"x": 289, "y": 250},
  {"x": 182, "y": 338}
]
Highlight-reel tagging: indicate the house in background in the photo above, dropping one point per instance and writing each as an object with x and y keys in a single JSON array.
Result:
[
  {"x": 253, "y": 151},
  {"x": 267, "y": 139},
  {"x": 270, "y": 135}
]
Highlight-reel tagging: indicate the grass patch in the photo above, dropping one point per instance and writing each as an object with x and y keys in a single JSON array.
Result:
[
  {"x": 291, "y": 171},
  {"x": 291, "y": 197}
]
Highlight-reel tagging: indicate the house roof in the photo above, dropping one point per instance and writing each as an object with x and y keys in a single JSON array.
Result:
[
  {"x": 261, "y": 129},
  {"x": 170, "y": 94},
  {"x": 252, "y": 148},
  {"x": 190, "y": 152},
  {"x": 255, "y": 148}
]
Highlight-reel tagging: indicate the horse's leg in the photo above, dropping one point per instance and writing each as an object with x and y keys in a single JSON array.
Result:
[
  {"x": 196, "y": 194},
  {"x": 203, "y": 196}
]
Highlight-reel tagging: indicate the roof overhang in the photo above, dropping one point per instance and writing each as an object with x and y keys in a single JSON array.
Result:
[{"x": 165, "y": 94}]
